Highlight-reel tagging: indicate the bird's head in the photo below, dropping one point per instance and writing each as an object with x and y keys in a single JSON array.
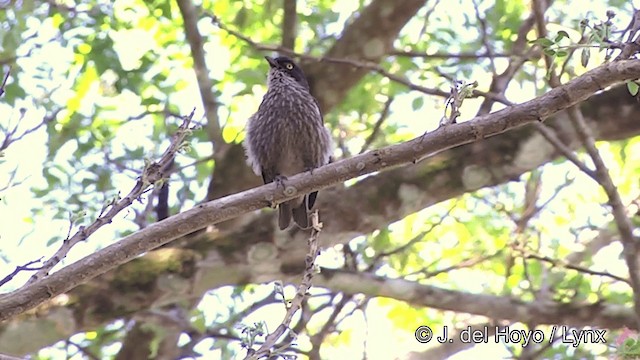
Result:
[{"x": 284, "y": 67}]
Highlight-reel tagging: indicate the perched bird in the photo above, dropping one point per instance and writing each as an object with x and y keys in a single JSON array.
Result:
[{"x": 287, "y": 136}]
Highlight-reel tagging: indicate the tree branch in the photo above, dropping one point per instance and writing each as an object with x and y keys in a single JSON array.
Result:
[
  {"x": 497, "y": 307},
  {"x": 629, "y": 242},
  {"x": 296, "y": 303},
  {"x": 289, "y": 24},
  {"x": 151, "y": 174},
  {"x": 461, "y": 56},
  {"x": 20, "y": 268},
  {"x": 369, "y": 38},
  {"x": 190, "y": 20},
  {"x": 232, "y": 206},
  {"x": 446, "y": 350},
  {"x": 4, "y": 81}
]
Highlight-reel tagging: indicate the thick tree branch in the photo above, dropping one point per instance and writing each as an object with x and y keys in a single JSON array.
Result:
[
  {"x": 600, "y": 315},
  {"x": 289, "y": 23},
  {"x": 232, "y": 206},
  {"x": 190, "y": 20},
  {"x": 611, "y": 114},
  {"x": 446, "y": 350},
  {"x": 151, "y": 174}
]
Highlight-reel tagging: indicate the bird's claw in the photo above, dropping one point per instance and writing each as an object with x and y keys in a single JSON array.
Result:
[{"x": 279, "y": 180}]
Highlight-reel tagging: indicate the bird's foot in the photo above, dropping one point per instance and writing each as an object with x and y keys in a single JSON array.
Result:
[{"x": 279, "y": 180}]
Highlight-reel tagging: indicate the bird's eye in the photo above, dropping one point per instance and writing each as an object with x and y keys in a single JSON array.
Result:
[{"x": 289, "y": 66}]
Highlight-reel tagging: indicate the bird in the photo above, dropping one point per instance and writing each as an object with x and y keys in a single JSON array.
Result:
[{"x": 287, "y": 136}]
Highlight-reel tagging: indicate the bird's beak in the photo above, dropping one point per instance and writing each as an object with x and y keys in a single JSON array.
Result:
[{"x": 272, "y": 62}]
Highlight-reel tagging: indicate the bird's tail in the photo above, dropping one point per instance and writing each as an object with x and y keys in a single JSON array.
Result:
[
  {"x": 284, "y": 215},
  {"x": 298, "y": 208},
  {"x": 301, "y": 215}
]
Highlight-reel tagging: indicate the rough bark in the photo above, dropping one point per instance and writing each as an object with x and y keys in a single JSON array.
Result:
[
  {"x": 158, "y": 234},
  {"x": 268, "y": 254}
]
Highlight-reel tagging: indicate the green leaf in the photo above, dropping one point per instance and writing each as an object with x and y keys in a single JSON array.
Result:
[
  {"x": 417, "y": 103},
  {"x": 633, "y": 86},
  {"x": 561, "y": 35},
  {"x": 584, "y": 57},
  {"x": 54, "y": 240},
  {"x": 382, "y": 240},
  {"x": 549, "y": 52},
  {"x": 544, "y": 42},
  {"x": 561, "y": 53}
]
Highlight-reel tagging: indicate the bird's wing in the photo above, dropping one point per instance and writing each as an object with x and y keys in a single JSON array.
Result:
[{"x": 267, "y": 176}]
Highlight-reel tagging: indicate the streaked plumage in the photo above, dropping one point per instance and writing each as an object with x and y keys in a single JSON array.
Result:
[{"x": 287, "y": 136}]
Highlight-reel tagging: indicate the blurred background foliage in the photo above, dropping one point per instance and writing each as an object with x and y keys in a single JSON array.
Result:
[{"x": 98, "y": 87}]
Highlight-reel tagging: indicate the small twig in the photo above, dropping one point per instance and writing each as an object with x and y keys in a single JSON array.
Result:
[
  {"x": 9, "y": 357},
  {"x": 152, "y": 173},
  {"x": 539, "y": 8},
  {"x": 582, "y": 269},
  {"x": 301, "y": 294},
  {"x": 466, "y": 263},
  {"x": 4, "y": 82},
  {"x": 551, "y": 137},
  {"x": 623, "y": 223},
  {"x": 416, "y": 239},
  {"x": 20, "y": 268},
  {"x": 460, "y": 90},
  {"x": 462, "y": 56},
  {"x": 84, "y": 350},
  {"x": 190, "y": 17},
  {"x": 329, "y": 325},
  {"x": 357, "y": 64},
  {"x": 519, "y": 56},
  {"x": 10, "y": 135},
  {"x": 376, "y": 128},
  {"x": 631, "y": 46},
  {"x": 485, "y": 37}
]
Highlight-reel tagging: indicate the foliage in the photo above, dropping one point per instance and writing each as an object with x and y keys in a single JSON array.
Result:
[{"x": 113, "y": 79}]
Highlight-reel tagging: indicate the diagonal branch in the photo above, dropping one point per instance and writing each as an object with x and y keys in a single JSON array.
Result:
[
  {"x": 597, "y": 314},
  {"x": 4, "y": 81},
  {"x": 551, "y": 137},
  {"x": 376, "y": 128},
  {"x": 20, "y": 268},
  {"x": 205, "y": 85},
  {"x": 152, "y": 173},
  {"x": 500, "y": 82},
  {"x": 623, "y": 223},
  {"x": 234, "y": 205},
  {"x": 368, "y": 38},
  {"x": 612, "y": 114},
  {"x": 356, "y": 64}
]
